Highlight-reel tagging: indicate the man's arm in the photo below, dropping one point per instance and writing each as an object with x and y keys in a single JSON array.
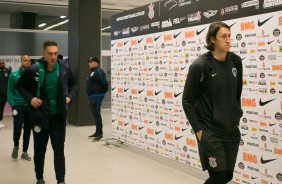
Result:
[
  {"x": 23, "y": 85},
  {"x": 10, "y": 90},
  {"x": 190, "y": 95}
]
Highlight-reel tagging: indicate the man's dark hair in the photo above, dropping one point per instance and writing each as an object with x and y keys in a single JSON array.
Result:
[
  {"x": 213, "y": 29},
  {"x": 49, "y": 43}
]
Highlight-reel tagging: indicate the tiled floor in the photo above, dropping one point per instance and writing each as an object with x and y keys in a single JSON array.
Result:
[{"x": 88, "y": 162}]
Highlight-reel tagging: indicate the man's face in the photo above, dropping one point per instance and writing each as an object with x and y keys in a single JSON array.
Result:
[
  {"x": 25, "y": 62},
  {"x": 92, "y": 64},
  {"x": 2, "y": 64},
  {"x": 50, "y": 54},
  {"x": 222, "y": 40}
]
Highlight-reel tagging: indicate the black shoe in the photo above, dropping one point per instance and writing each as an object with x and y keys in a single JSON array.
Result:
[
  {"x": 92, "y": 136},
  {"x": 98, "y": 137}
]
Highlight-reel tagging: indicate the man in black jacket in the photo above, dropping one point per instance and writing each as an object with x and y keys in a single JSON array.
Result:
[
  {"x": 212, "y": 103},
  {"x": 48, "y": 85},
  {"x": 4, "y": 75},
  {"x": 96, "y": 88}
]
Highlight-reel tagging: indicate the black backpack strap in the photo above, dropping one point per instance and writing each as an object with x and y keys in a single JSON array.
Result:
[{"x": 237, "y": 61}]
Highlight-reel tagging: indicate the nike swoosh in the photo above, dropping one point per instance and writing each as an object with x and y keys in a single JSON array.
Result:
[
  {"x": 124, "y": 43},
  {"x": 157, "y": 132},
  {"x": 150, "y": 69},
  {"x": 140, "y": 91},
  {"x": 125, "y": 90},
  {"x": 272, "y": 124},
  {"x": 114, "y": 88},
  {"x": 156, "y": 38},
  {"x": 170, "y": 109},
  {"x": 280, "y": 91},
  {"x": 139, "y": 41},
  {"x": 125, "y": 124},
  {"x": 176, "y": 138},
  {"x": 261, "y": 103},
  {"x": 114, "y": 120},
  {"x": 253, "y": 177},
  {"x": 156, "y": 93},
  {"x": 182, "y": 68},
  {"x": 232, "y": 24},
  {"x": 176, "y": 95},
  {"x": 176, "y": 35},
  {"x": 214, "y": 74},
  {"x": 179, "y": 50},
  {"x": 151, "y": 122},
  {"x": 183, "y": 129},
  {"x": 263, "y": 22},
  {"x": 113, "y": 44},
  {"x": 243, "y": 58},
  {"x": 244, "y": 135},
  {"x": 269, "y": 42},
  {"x": 199, "y": 32},
  {"x": 266, "y": 161},
  {"x": 140, "y": 128}
]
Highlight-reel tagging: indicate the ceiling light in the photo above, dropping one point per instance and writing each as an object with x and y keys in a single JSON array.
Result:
[
  {"x": 42, "y": 25},
  {"x": 63, "y": 16},
  {"x": 106, "y": 28}
]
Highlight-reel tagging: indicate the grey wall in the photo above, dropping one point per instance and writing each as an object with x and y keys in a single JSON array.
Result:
[
  {"x": 19, "y": 43},
  {"x": 4, "y": 20}
]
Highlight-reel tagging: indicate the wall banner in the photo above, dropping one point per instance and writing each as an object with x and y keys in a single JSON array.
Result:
[{"x": 152, "y": 49}]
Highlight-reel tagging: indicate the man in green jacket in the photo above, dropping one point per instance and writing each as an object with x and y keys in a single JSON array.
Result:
[{"x": 21, "y": 110}]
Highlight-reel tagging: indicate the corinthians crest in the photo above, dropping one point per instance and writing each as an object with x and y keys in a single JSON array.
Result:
[
  {"x": 212, "y": 162},
  {"x": 151, "y": 12}
]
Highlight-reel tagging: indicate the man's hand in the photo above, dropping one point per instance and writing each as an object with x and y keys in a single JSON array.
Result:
[
  {"x": 36, "y": 102},
  {"x": 199, "y": 135},
  {"x": 68, "y": 100}
]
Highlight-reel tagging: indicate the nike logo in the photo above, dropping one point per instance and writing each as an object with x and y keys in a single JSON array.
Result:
[
  {"x": 266, "y": 161},
  {"x": 170, "y": 109},
  {"x": 214, "y": 74},
  {"x": 176, "y": 138},
  {"x": 261, "y": 103},
  {"x": 124, "y": 43},
  {"x": 114, "y": 120},
  {"x": 199, "y": 32},
  {"x": 253, "y": 177},
  {"x": 157, "y": 132},
  {"x": 176, "y": 95},
  {"x": 140, "y": 128},
  {"x": 139, "y": 41},
  {"x": 182, "y": 68},
  {"x": 151, "y": 122},
  {"x": 113, "y": 44},
  {"x": 140, "y": 91},
  {"x": 272, "y": 124},
  {"x": 176, "y": 35},
  {"x": 114, "y": 88},
  {"x": 232, "y": 24},
  {"x": 156, "y": 38},
  {"x": 156, "y": 93},
  {"x": 244, "y": 135},
  {"x": 269, "y": 42},
  {"x": 125, "y": 90},
  {"x": 125, "y": 124},
  {"x": 150, "y": 69},
  {"x": 280, "y": 91},
  {"x": 243, "y": 58},
  {"x": 183, "y": 129},
  {"x": 263, "y": 22}
]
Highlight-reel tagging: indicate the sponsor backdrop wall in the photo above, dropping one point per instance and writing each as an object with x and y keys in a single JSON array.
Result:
[{"x": 152, "y": 49}]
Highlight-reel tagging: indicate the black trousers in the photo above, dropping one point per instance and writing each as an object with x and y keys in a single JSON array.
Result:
[
  {"x": 95, "y": 103},
  {"x": 21, "y": 121},
  {"x": 57, "y": 133},
  {"x": 3, "y": 100}
]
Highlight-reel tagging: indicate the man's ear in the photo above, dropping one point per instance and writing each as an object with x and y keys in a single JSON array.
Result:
[{"x": 212, "y": 39}]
